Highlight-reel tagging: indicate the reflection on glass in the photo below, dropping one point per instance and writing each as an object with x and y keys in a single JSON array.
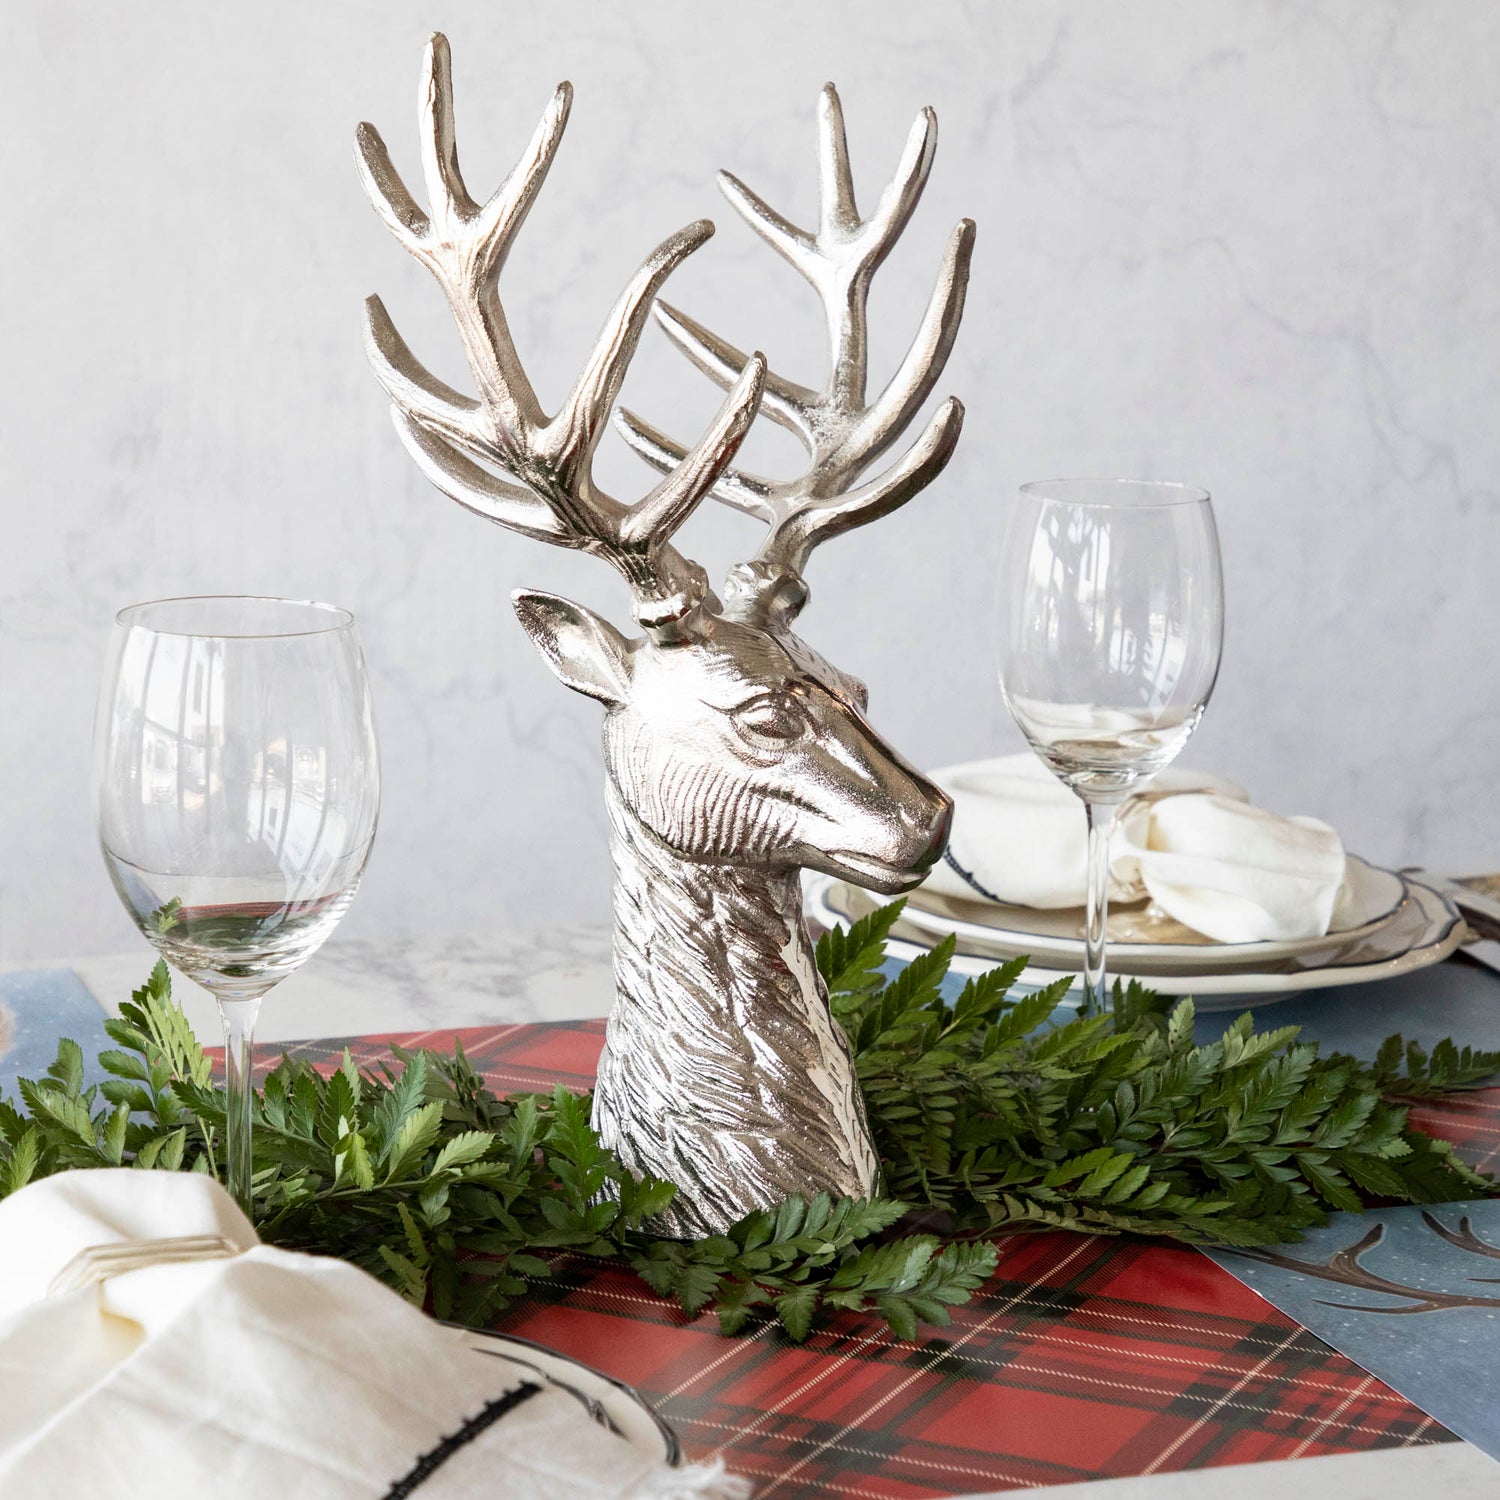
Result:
[
  {"x": 237, "y": 785},
  {"x": 1111, "y": 623}
]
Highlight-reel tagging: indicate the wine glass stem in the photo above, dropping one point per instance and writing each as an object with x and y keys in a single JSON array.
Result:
[
  {"x": 238, "y": 1017},
  {"x": 1101, "y": 817}
]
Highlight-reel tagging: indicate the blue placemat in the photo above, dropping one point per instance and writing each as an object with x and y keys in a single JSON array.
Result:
[
  {"x": 37, "y": 1006},
  {"x": 1410, "y": 1294},
  {"x": 1459, "y": 998}
]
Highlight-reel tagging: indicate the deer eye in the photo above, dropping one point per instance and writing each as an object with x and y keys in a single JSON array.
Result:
[{"x": 775, "y": 716}]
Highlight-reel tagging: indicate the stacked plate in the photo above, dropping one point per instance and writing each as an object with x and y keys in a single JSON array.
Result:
[
  {"x": 1388, "y": 924},
  {"x": 611, "y": 1403}
]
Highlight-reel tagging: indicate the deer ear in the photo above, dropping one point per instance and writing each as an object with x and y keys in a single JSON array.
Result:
[{"x": 585, "y": 651}]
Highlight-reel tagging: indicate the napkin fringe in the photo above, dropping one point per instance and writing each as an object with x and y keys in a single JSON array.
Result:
[{"x": 710, "y": 1481}]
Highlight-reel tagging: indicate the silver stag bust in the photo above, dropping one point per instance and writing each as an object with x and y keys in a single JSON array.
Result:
[{"x": 736, "y": 755}]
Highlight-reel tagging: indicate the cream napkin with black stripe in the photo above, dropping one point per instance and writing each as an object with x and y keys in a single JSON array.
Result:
[
  {"x": 150, "y": 1344},
  {"x": 1192, "y": 843}
]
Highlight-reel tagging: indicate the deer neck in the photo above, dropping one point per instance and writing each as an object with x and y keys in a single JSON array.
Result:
[
  {"x": 707, "y": 943},
  {"x": 721, "y": 1035}
]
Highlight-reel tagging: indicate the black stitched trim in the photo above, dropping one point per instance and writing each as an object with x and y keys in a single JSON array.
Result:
[
  {"x": 429, "y": 1463},
  {"x": 968, "y": 877}
]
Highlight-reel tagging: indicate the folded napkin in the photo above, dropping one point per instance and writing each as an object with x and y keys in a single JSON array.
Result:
[
  {"x": 1233, "y": 872},
  {"x": 1192, "y": 843},
  {"x": 1019, "y": 835},
  {"x": 249, "y": 1371}
]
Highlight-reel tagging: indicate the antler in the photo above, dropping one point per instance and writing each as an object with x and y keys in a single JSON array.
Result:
[
  {"x": 1464, "y": 1238},
  {"x": 1345, "y": 1268},
  {"x": 452, "y": 437},
  {"x": 842, "y": 432}
]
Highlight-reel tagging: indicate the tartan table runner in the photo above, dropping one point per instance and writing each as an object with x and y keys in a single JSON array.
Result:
[{"x": 1082, "y": 1358}]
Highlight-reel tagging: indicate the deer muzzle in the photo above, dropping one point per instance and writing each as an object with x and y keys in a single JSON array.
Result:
[{"x": 916, "y": 837}]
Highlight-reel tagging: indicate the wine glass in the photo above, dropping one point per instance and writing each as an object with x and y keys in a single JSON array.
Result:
[
  {"x": 1111, "y": 624},
  {"x": 237, "y": 785}
]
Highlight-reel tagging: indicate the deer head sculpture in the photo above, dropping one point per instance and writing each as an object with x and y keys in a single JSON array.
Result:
[{"x": 735, "y": 755}]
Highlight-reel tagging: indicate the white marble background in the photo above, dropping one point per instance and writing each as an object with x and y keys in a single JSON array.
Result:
[{"x": 1251, "y": 244}]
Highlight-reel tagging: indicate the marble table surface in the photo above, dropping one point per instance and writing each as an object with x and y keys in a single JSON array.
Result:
[
  {"x": 415, "y": 984},
  {"x": 563, "y": 973}
]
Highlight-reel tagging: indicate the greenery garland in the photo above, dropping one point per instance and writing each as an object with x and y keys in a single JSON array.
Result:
[{"x": 994, "y": 1112}]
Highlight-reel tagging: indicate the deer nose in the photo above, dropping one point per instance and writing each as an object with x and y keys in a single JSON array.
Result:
[
  {"x": 924, "y": 821},
  {"x": 942, "y": 826}
]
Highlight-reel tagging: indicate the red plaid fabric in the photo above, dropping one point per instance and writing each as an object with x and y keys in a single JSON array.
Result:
[{"x": 1083, "y": 1358}]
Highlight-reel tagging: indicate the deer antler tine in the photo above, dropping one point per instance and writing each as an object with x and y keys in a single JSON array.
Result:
[
  {"x": 690, "y": 481},
  {"x": 888, "y": 415},
  {"x": 501, "y": 218},
  {"x": 386, "y": 191},
  {"x": 475, "y": 488},
  {"x": 414, "y": 388},
  {"x": 445, "y": 184},
  {"x": 1344, "y": 1267},
  {"x": 453, "y": 438},
  {"x": 792, "y": 541},
  {"x": 904, "y": 191},
  {"x": 1463, "y": 1238},
  {"x": 836, "y": 183},
  {"x": 716, "y": 357},
  {"x": 1473, "y": 1242},
  {"x": 580, "y": 423},
  {"x": 784, "y": 401},
  {"x": 842, "y": 431},
  {"x": 792, "y": 244},
  {"x": 1346, "y": 1260},
  {"x": 745, "y": 492},
  {"x": 648, "y": 442}
]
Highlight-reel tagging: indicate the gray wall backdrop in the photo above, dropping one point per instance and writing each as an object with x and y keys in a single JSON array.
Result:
[{"x": 1251, "y": 244}]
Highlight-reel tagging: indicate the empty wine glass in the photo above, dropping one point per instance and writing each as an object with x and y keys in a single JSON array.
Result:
[
  {"x": 237, "y": 785},
  {"x": 1111, "y": 624}
]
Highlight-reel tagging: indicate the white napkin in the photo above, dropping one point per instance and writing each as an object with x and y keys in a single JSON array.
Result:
[
  {"x": 265, "y": 1373},
  {"x": 1233, "y": 872},
  {"x": 1019, "y": 835}
]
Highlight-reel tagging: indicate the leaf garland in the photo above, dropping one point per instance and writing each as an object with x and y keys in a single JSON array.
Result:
[
  {"x": 1120, "y": 1122},
  {"x": 991, "y": 1110}
]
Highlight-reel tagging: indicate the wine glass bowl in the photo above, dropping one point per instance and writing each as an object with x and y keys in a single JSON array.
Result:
[
  {"x": 237, "y": 790},
  {"x": 1111, "y": 627}
]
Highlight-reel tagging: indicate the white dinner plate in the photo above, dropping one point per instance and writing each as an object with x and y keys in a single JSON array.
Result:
[
  {"x": 1425, "y": 929},
  {"x": 1139, "y": 933},
  {"x": 610, "y": 1402}
]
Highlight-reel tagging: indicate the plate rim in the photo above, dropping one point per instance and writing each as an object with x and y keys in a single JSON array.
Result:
[
  {"x": 1223, "y": 956},
  {"x": 1443, "y": 934},
  {"x": 526, "y": 1350}
]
